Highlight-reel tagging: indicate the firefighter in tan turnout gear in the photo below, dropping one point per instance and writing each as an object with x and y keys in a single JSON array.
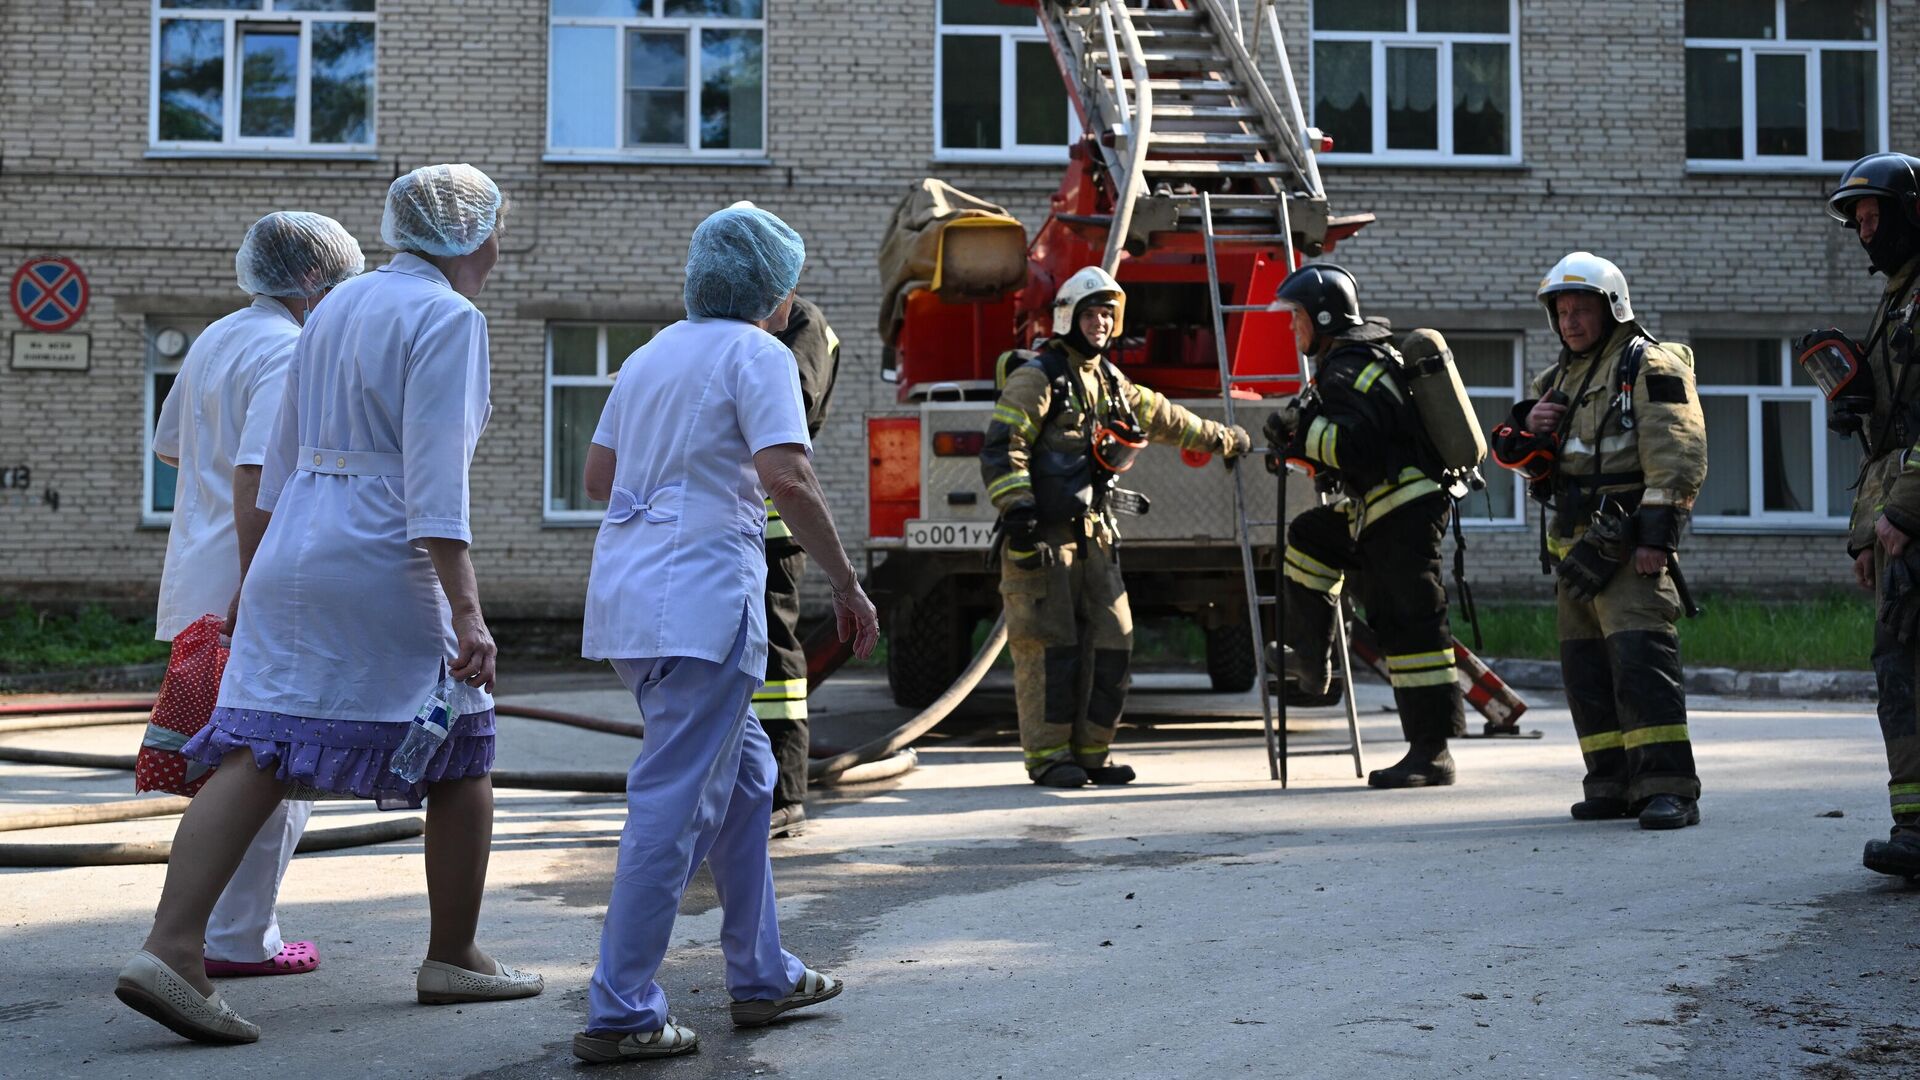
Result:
[
  {"x": 1615, "y": 445},
  {"x": 1872, "y": 392},
  {"x": 1066, "y": 425}
]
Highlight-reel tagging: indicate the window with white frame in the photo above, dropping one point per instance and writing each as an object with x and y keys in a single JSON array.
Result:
[
  {"x": 1785, "y": 83},
  {"x": 1418, "y": 80},
  {"x": 263, "y": 75},
  {"x": 651, "y": 79},
  {"x": 1493, "y": 370},
  {"x": 1770, "y": 458},
  {"x": 582, "y": 360},
  {"x": 167, "y": 343},
  {"x": 997, "y": 90}
]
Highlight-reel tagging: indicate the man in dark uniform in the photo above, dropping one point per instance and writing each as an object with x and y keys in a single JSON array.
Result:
[
  {"x": 1879, "y": 198},
  {"x": 781, "y": 704},
  {"x": 1356, "y": 430}
]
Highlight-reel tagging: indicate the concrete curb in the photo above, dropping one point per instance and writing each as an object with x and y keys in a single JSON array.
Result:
[
  {"x": 1724, "y": 682},
  {"x": 131, "y": 677}
]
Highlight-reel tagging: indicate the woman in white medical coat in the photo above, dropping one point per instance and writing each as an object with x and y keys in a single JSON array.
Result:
[
  {"x": 703, "y": 425},
  {"x": 359, "y": 602}
]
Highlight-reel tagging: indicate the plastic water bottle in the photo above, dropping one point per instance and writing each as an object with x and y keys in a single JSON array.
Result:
[{"x": 425, "y": 732}]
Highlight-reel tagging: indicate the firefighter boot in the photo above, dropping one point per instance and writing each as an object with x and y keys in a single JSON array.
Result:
[
  {"x": 1899, "y": 854},
  {"x": 1670, "y": 812},
  {"x": 1426, "y": 717},
  {"x": 1601, "y": 809},
  {"x": 1308, "y": 654}
]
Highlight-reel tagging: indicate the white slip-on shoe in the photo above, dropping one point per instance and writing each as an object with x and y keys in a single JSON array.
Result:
[
  {"x": 150, "y": 987},
  {"x": 812, "y": 989},
  {"x": 444, "y": 984},
  {"x": 634, "y": 1045}
]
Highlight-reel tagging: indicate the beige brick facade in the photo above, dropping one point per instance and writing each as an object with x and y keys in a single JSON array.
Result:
[{"x": 849, "y": 126}]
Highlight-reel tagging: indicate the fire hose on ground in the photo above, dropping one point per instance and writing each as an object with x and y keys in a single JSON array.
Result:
[{"x": 883, "y": 758}]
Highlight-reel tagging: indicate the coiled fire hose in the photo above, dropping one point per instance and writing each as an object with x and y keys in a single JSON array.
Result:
[{"x": 880, "y": 759}]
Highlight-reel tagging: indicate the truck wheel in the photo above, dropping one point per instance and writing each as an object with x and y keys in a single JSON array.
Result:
[
  {"x": 927, "y": 648},
  {"x": 1230, "y": 658}
]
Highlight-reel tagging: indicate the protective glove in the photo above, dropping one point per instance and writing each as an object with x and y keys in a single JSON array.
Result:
[
  {"x": 1595, "y": 558},
  {"x": 1025, "y": 549},
  {"x": 1236, "y": 442},
  {"x": 1279, "y": 430},
  {"x": 1900, "y": 599}
]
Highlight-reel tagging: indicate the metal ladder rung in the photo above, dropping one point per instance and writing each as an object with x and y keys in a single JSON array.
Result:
[
  {"x": 1237, "y": 379},
  {"x": 1248, "y": 238},
  {"x": 1247, "y": 307}
]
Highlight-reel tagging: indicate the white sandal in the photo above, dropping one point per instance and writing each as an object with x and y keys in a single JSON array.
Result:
[
  {"x": 812, "y": 989},
  {"x": 444, "y": 984},
  {"x": 634, "y": 1045},
  {"x": 150, "y": 987}
]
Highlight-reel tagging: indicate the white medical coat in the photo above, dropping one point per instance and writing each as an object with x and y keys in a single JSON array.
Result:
[
  {"x": 342, "y": 616},
  {"x": 219, "y": 414},
  {"x": 680, "y": 559}
]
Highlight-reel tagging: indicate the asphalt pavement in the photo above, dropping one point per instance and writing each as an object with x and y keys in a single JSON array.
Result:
[{"x": 1201, "y": 922}]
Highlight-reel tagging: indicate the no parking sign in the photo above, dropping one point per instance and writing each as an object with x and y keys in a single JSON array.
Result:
[{"x": 49, "y": 293}]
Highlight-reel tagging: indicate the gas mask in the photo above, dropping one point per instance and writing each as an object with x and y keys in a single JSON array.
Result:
[
  {"x": 1117, "y": 444},
  {"x": 1838, "y": 366}
]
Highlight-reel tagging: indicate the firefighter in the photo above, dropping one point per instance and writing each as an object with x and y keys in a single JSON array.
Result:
[
  {"x": 1066, "y": 424},
  {"x": 1871, "y": 394},
  {"x": 1616, "y": 446},
  {"x": 781, "y": 704},
  {"x": 1357, "y": 431}
]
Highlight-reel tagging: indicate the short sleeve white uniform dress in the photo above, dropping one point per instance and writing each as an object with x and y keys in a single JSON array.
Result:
[{"x": 344, "y": 629}]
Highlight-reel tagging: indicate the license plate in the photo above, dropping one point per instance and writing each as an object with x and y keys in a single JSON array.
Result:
[{"x": 949, "y": 535}]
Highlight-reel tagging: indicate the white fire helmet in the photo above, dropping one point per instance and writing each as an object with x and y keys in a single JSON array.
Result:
[
  {"x": 1089, "y": 281},
  {"x": 1583, "y": 271}
]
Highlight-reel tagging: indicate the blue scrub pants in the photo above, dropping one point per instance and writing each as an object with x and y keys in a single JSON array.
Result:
[{"x": 702, "y": 789}]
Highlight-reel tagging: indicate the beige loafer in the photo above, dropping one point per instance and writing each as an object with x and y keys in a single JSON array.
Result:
[
  {"x": 444, "y": 984},
  {"x": 150, "y": 987},
  {"x": 812, "y": 989},
  {"x": 634, "y": 1045}
]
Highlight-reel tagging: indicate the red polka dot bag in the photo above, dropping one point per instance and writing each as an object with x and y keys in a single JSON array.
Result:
[{"x": 183, "y": 707}]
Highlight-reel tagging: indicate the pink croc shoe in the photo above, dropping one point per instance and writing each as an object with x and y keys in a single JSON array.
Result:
[{"x": 294, "y": 958}]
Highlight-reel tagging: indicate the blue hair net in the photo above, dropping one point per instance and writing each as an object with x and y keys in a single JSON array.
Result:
[
  {"x": 294, "y": 253},
  {"x": 741, "y": 263},
  {"x": 441, "y": 210}
]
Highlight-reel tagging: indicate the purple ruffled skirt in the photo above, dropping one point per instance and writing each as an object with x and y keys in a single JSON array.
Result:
[{"x": 343, "y": 757}]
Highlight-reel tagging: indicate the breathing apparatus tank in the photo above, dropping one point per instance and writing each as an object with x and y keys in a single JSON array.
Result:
[{"x": 1441, "y": 400}]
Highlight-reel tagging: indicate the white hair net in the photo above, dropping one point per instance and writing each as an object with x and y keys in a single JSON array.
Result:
[
  {"x": 741, "y": 263},
  {"x": 294, "y": 253},
  {"x": 441, "y": 210}
]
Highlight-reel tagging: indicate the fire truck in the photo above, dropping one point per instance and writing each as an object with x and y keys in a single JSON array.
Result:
[{"x": 1196, "y": 184}]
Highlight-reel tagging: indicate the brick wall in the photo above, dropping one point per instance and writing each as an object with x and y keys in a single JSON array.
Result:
[{"x": 849, "y": 126}]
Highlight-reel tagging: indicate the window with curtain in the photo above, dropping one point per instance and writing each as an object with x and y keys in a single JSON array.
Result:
[
  {"x": 582, "y": 360},
  {"x": 1774, "y": 84},
  {"x": 653, "y": 79},
  {"x": 1770, "y": 457},
  {"x": 263, "y": 75},
  {"x": 1417, "y": 80},
  {"x": 997, "y": 90}
]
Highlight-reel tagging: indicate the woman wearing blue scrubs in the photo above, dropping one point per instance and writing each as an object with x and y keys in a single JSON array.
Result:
[{"x": 703, "y": 425}]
